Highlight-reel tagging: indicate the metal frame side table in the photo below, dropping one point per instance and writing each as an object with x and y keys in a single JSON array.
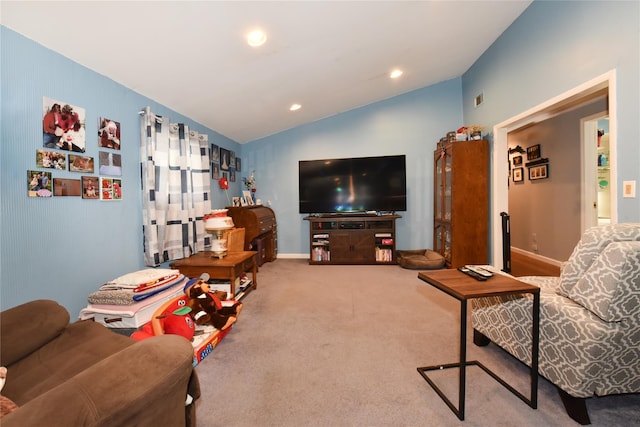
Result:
[{"x": 463, "y": 288}]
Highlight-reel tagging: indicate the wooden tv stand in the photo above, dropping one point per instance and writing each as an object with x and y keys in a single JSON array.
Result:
[{"x": 352, "y": 239}]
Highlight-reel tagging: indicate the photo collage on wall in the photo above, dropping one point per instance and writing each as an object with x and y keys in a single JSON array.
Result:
[
  {"x": 224, "y": 163},
  {"x": 63, "y": 130}
]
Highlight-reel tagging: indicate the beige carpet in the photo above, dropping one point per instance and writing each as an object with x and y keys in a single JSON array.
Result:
[{"x": 339, "y": 346}]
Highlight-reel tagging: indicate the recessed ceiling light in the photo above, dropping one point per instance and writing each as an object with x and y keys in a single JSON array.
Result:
[
  {"x": 295, "y": 107},
  {"x": 256, "y": 38},
  {"x": 395, "y": 73}
]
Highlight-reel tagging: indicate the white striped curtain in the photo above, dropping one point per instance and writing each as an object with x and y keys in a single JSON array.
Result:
[{"x": 176, "y": 189}]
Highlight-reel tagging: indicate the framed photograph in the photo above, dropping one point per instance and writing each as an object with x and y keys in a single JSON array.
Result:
[
  {"x": 110, "y": 163},
  {"x": 533, "y": 152},
  {"x": 236, "y": 201},
  {"x": 80, "y": 163},
  {"x": 51, "y": 160},
  {"x": 66, "y": 187},
  {"x": 539, "y": 172},
  {"x": 108, "y": 133},
  {"x": 110, "y": 189},
  {"x": 518, "y": 175},
  {"x": 215, "y": 171},
  {"x": 90, "y": 188},
  {"x": 232, "y": 175},
  {"x": 238, "y": 164},
  {"x": 232, "y": 159},
  {"x": 517, "y": 161},
  {"x": 225, "y": 155},
  {"x": 247, "y": 197},
  {"x": 39, "y": 184},
  {"x": 63, "y": 126},
  {"x": 215, "y": 153}
]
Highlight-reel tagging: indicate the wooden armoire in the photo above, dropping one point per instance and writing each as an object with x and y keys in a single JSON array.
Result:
[{"x": 461, "y": 202}]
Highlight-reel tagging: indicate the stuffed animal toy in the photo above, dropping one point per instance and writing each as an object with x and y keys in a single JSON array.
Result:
[
  {"x": 6, "y": 404},
  {"x": 206, "y": 307},
  {"x": 175, "y": 320}
]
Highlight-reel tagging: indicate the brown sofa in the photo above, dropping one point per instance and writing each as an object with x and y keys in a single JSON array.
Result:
[{"x": 83, "y": 374}]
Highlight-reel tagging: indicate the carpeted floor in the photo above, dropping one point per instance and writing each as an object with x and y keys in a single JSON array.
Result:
[{"x": 339, "y": 346}]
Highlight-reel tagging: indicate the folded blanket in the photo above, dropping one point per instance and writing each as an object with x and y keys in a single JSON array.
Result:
[
  {"x": 130, "y": 310},
  {"x": 129, "y": 296},
  {"x": 140, "y": 278}
]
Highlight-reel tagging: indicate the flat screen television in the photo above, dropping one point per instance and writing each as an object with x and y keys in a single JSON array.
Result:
[{"x": 352, "y": 185}]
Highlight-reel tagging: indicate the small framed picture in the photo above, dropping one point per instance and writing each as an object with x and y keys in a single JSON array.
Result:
[
  {"x": 80, "y": 163},
  {"x": 236, "y": 201},
  {"x": 51, "y": 159},
  {"x": 238, "y": 164},
  {"x": 539, "y": 172},
  {"x": 66, "y": 187},
  {"x": 215, "y": 153},
  {"x": 533, "y": 152},
  {"x": 247, "y": 197},
  {"x": 518, "y": 175},
  {"x": 517, "y": 161},
  {"x": 39, "y": 184},
  {"x": 90, "y": 187},
  {"x": 225, "y": 156}
]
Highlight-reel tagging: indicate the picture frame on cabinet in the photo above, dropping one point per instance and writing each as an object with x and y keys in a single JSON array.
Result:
[
  {"x": 247, "y": 197},
  {"x": 533, "y": 152},
  {"x": 539, "y": 172},
  {"x": 518, "y": 175}
]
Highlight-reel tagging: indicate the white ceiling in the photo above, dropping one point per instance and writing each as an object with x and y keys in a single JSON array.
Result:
[{"x": 329, "y": 56}]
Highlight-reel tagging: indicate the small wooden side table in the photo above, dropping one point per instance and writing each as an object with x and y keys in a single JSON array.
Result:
[
  {"x": 463, "y": 288},
  {"x": 229, "y": 267}
]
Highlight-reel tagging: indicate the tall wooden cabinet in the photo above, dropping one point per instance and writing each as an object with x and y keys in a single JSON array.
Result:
[{"x": 461, "y": 202}]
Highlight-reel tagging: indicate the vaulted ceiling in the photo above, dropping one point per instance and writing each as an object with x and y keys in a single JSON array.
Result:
[{"x": 328, "y": 56}]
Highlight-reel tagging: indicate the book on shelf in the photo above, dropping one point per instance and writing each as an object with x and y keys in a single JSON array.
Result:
[{"x": 383, "y": 234}]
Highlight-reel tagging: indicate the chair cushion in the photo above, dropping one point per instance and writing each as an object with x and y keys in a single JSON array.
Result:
[
  {"x": 419, "y": 259},
  {"x": 611, "y": 286}
]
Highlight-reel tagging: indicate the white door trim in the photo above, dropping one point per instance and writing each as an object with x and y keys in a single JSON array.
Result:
[{"x": 500, "y": 175}]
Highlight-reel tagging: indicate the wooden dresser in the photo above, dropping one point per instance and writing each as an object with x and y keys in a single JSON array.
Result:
[{"x": 261, "y": 230}]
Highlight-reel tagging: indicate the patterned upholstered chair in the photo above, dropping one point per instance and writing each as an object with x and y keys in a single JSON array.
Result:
[{"x": 589, "y": 319}]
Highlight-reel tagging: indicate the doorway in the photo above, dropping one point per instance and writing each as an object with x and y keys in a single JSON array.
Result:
[
  {"x": 599, "y": 86},
  {"x": 596, "y": 166}
]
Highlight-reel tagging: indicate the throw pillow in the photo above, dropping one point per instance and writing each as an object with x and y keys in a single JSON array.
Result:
[{"x": 611, "y": 286}]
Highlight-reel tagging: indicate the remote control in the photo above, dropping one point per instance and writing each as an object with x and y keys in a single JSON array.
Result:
[
  {"x": 479, "y": 270},
  {"x": 470, "y": 273}
]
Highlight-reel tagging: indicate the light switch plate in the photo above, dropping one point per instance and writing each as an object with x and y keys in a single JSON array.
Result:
[{"x": 629, "y": 189}]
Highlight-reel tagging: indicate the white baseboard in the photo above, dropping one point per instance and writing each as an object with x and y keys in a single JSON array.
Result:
[
  {"x": 536, "y": 256},
  {"x": 293, "y": 256}
]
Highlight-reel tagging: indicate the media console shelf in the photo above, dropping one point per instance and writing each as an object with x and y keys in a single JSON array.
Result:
[{"x": 352, "y": 239}]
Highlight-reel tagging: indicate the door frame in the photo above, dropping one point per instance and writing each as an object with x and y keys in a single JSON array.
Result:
[{"x": 565, "y": 101}]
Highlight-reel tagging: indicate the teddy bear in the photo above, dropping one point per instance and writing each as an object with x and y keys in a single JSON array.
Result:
[
  {"x": 206, "y": 306},
  {"x": 6, "y": 404}
]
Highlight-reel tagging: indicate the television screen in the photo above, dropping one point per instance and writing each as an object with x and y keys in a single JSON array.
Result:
[{"x": 353, "y": 185}]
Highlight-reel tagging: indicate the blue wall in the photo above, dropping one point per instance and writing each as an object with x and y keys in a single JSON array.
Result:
[
  {"x": 553, "y": 47},
  {"x": 63, "y": 248},
  {"x": 409, "y": 124}
]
